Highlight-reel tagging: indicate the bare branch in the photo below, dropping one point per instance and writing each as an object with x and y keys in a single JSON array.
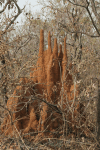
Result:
[
  {"x": 87, "y": 8},
  {"x": 94, "y": 10},
  {"x": 10, "y": 114},
  {"x": 15, "y": 17},
  {"x": 24, "y": 43},
  {"x": 85, "y": 33},
  {"x": 77, "y": 4},
  {"x": 4, "y": 7},
  {"x": 54, "y": 107}
]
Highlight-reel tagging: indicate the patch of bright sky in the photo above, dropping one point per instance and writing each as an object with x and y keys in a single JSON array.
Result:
[{"x": 31, "y": 5}]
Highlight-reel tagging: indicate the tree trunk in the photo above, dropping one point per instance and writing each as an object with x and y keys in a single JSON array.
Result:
[
  {"x": 4, "y": 80},
  {"x": 98, "y": 117}
]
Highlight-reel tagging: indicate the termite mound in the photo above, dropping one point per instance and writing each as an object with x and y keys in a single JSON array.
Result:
[{"x": 39, "y": 102}]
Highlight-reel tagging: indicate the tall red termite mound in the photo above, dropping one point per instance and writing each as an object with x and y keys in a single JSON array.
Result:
[{"x": 34, "y": 103}]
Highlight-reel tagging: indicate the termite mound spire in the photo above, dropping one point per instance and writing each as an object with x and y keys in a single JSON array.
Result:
[
  {"x": 41, "y": 48},
  {"x": 40, "y": 62},
  {"x": 55, "y": 49},
  {"x": 65, "y": 51},
  {"x": 60, "y": 55},
  {"x": 64, "y": 61},
  {"x": 49, "y": 43}
]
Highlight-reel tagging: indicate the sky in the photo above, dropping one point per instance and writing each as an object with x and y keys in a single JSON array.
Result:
[{"x": 34, "y": 5}]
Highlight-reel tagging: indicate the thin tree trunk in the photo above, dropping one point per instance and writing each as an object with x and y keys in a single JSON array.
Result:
[
  {"x": 98, "y": 116},
  {"x": 4, "y": 80}
]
